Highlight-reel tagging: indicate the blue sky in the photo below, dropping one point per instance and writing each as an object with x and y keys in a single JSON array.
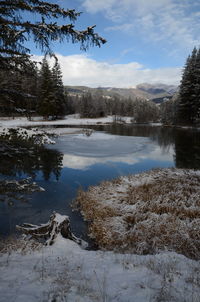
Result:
[{"x": 147, "y": 41}]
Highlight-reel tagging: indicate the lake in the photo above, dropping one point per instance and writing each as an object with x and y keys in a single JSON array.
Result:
[{"x": 78, "y": 161}]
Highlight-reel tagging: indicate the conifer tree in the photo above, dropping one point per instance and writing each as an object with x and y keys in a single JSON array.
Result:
[
  {"x": 196, "y": 107},
  {"x": 52, "y": 99},
  {"x": 18, "y": 91},
  {"x": 189, "y": 105},
  {"x": 59, "y": 94},
  {"x": 52, "y": 23},
  {"x": 85, "y": 105},
  {"x": 46, "y": 91},
  {"x": 15, "y": 30}
]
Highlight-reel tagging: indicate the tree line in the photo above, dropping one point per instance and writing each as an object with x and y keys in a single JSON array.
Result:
[
  {"x": 42, "y": 23},
  {"x": 98, "y": 105},
  {"x": 184, "y": 108},
  {"x": 38, "y": 91},
  {"x": 41, "y": 92}
]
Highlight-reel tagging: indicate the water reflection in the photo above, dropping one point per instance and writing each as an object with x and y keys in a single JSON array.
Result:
[
  {"x": 21, "y": 158},
  {"x": 187, "y": 149},
  {"x": 77, "y": 160},
  {"x": 118, "y": 144},
  {"x": 164, "y": 136},
  {"x": 150, "y": 153},
  {"x": 81, "y": 152},
  {"x": 185, "y": 143}
]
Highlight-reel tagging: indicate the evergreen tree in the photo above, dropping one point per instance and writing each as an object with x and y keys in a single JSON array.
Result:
[
  {"x": 30, "y": 85},
  {"x": 85, "y": 107},
  {"x": 46, "y": 104},
  {"x": 196, "y": 107},
  {"x": 18, "y": 91},
  {"x": 168, "y": 111},
  {"x": 59, "y": 93},
  {"x": 189, "y": 105},
  {"x": 15, "y": 30},
  {"x": 52, "y": 99}
]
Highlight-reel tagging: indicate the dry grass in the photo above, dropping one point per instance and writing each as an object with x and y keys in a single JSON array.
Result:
[
  {"x": 22, "y": 245},
  {"x": 146, "y": 213}
]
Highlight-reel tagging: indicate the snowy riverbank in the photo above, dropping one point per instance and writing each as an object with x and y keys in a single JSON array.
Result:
[
  {"x": 146, "y": 213},
  {"x": 67, "y": 121},
  {"x": 163, "y": 205},
  {"x": 65, "y": 272}
]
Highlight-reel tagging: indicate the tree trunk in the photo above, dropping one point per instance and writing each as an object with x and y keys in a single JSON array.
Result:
[{"x": 58, "y": 224}]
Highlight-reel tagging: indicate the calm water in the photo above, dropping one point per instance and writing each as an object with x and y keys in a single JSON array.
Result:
[{"x": 79, "y": 161}]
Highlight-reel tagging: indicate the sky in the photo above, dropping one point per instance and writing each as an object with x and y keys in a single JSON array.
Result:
[{"x": 148, "y": 41}]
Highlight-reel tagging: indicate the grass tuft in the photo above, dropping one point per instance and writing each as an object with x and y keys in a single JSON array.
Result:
[{"x": 146, "y": 213}]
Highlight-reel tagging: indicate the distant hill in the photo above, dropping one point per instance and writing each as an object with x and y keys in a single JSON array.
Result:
[{"x": 154, "y": 92}]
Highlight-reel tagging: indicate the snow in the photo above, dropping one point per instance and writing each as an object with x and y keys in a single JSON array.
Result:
[
  {"x": 22, "y": 185},
  {"x": 146, "y": 213},
  {"x": 38, "y": 136},
  {"x": 63, "y": 131},
  {"x": 65, "y": 272},
  {"x": 68, "y": 120},
  {"x": 60, "y": 218}
]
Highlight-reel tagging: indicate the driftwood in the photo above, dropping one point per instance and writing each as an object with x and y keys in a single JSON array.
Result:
[{"x": 58, "y": 224}]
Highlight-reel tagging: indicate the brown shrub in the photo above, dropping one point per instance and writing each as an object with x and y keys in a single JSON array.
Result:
[{"x": 157, "y": 210}]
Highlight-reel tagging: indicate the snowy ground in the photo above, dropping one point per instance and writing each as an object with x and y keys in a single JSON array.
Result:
[
  {"x": 68, "y": 120},
  {"x": 65, "y": 272},
  {"x": 42, "y": 137}
]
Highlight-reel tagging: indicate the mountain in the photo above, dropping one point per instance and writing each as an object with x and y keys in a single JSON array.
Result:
[
  {"x": 157, "y": 88},
  {"x": 154, "y": 92}
]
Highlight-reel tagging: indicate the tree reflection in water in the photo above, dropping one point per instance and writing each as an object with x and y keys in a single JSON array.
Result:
[
  {"x": 187, "y": 149},
  {"x": 19, "y": 157},
  {"x": 185, "y": 142}
]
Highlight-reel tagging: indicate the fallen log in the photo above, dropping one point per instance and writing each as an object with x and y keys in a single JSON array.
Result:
[{"x": 57, "y": 224}]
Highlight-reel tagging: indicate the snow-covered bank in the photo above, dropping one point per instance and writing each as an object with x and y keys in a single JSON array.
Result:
[
  {"x": 35, "y": 136},
  {"x": 162, "y": 204},
  {"x": 65, "y": 272},
  {"x": 146, "y": 213},
  {"x": 68, "y": 120}
]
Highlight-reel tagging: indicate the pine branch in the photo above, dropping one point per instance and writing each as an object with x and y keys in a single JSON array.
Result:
[{"x": 41, "y": 7}]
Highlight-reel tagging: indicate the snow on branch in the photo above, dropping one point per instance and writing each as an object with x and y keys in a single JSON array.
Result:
[{"x": 36, "y": 136}]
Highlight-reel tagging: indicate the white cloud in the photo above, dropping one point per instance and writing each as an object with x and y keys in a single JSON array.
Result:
[
  {"x": 126, "y": 27},
  {"x": 84, "y": 163},
  {"x": 94, "y": 6},
  {"x": 82, "y": 70},
  {"x": 172, "y": 21}
]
